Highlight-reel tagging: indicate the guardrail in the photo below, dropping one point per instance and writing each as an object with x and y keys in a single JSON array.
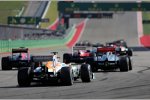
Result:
[{"x": 15, "y": 33}]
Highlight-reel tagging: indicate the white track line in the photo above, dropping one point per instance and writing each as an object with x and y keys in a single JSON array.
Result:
[{"x": 45, "y": 12}]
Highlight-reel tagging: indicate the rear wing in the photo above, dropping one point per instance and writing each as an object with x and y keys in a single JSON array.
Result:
[
  {"x": 20, "y": 50},
  {"x": 106, "y": 49},
  {"x": 42, "y": 58}
]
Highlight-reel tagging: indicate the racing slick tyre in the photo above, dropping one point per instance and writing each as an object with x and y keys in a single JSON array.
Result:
[
  {"x": 6, "y": 63},
  {"x": 66, "y": 76},
  {"x": 91, "y": 62},
  {"x": 94, "y": 67},
  {"x": 124, "y": 64},
  {"x": 86, "y": 74},
  {"x": 130, "y": 52},
  {"x": 130, "y": 64},
  {"x": 24, "y": 76},
  {"x": 67, "y": 58}
]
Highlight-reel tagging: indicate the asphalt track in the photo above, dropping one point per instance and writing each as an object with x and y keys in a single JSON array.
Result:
[
  {"x": 122, "y": 26},
  {"x": 134, "y": 84},
  {"x": 34, "y": 5}
]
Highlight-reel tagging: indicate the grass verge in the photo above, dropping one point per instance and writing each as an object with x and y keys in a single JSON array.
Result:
[{"x": 10, "y": 8}]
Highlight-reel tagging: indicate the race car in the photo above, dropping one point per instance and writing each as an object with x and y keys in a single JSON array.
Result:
[
  {"x": 79, "y": 54},
  {"x": 122, "y": 47},
  {"x": 108, "y": 58},
  {"x": 83, "y": 43},
  {"x": 48, "y": 69},
  {"x": 120, "y": 42},
  {"x": 20, "y": 57}
]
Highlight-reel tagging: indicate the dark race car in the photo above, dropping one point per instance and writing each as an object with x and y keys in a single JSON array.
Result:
[
  {"x": 120, "y": 42},
  {"x": 19, "y": 57},
  {"x": 121, "y": 47},
  {"x": 108, "y": 58}
]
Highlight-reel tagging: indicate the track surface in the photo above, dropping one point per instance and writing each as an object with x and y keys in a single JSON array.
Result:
[
  {"x": 122, "y": 26},
  {"x": 34, "y": 5},
  {"x": 134, "y": 84}
]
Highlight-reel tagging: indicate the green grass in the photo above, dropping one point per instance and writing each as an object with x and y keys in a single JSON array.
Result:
[
  {"x": 52, "y": 14},
  {"x": 146, "y": 27},
  {"x": 7, "y": 45},
  {"x": 10, "y": 8}
]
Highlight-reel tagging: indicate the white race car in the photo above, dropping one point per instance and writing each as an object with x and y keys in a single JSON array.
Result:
[{"x": 49, "y": 69}]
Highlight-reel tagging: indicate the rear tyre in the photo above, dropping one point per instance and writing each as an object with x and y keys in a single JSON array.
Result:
[
  {"x": 130, "y": 64},
  {"x": 6, "y": 63},
  {"x": 91, "y": 62},
  {"x": 86, "y": 74},
  {"x": 66, "y": 76},
  {"x": 67, "y": 58},
  {"x": 24, "y": 76},
  {"x": 124, "y": 64},
  {"x": 94, "y": 68},
  {"x": 130, "y": 52}
]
